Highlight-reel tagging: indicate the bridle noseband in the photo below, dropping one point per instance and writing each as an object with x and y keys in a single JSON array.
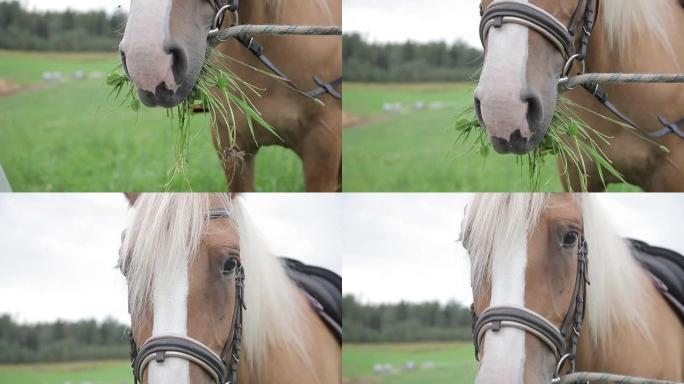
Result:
[
  {"x": 223, "y": 369},
  {"x": 561, "y": 342},
  {"x": 561, "y": 36}
]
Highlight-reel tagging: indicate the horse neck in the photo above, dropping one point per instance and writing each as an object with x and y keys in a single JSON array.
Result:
[
  {"x": 624, "y": 351},
  {"x": 285, "y": 366},
  {"x": 257, "y": 12}
]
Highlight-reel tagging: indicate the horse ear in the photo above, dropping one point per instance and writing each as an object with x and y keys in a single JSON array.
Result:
[{"x": 132, "y": 197}]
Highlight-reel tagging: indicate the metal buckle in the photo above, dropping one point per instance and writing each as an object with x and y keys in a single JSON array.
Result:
[
  {"x": 568, "y": 67},
  {"x": 559, "y": 366},
  {"x": 220, "y": 15}
]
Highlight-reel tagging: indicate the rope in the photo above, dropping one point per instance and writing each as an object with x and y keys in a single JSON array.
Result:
[
  {"x": 582, "y": 377},
  {"x": 307, "y": 30},
  {"x": 573, "y": 82}
]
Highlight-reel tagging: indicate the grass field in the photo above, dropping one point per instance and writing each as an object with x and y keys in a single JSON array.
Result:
[
  {"x": 71, "y": 137},
  {"x": 416, "y": 151},
  {"x": 454, "y": 363},
  {"x": 102, "y": 372}
]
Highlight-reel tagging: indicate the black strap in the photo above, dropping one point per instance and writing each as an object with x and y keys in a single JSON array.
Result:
[
  {"x": 668, "y": 128},
  {"x": 257, "y": 50}
]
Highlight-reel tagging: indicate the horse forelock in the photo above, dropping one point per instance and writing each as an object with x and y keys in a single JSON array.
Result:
[
  {"x": 495, "y": 222},
  {"x": 162, "y": 236},
  {"x": 164, "y": 233}
]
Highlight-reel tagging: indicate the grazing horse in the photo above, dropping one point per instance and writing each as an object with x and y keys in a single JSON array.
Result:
[
  {"x": 545, "y": 265},
  {"x": 518, "y": 88},
  {"x": 164, "y": 47},
  {"x": 203, "y": 286}
]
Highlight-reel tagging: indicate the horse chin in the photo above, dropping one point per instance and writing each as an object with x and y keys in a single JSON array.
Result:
[{"x": 164, "y": 97}]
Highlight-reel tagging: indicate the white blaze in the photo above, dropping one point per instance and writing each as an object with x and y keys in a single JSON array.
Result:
[
  {"x": 146, "y": 32},
  {"x": 504, "y": 351},
  {"x": 503, "y": 78},
  {"x": 170, "y": 318}
]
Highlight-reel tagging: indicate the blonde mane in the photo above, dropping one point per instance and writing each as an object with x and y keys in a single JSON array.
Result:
[
  {"x": 616, "y": 295},
  {"x": 627, "y": 20},
  {"x": 166, "y": 230}
]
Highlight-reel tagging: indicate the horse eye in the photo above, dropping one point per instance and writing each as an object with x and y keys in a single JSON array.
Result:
[
  {"x": 229, "y": 266},
  {"x": 570, "y": 239}
]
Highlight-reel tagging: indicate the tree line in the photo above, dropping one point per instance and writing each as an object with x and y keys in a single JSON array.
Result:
[
  {"x": 408, "y": 62},
  {"x": 61, "y": 341},
  {"x": 404, "y": 322},
  {"x": 21, "y": 29}
]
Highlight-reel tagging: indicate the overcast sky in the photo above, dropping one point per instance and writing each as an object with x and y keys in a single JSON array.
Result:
[
  {"x": 379, "y": 20},
  {"x": 58, "y": 251},
  {"x": 404, "y": 246},
  {"x": 424, "y": 20}
]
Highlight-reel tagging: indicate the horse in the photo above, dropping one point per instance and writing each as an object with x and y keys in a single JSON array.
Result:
[
  {"x": 164, "y": 47},
  {"x": 555, "y": 288},
  {"x": 524, "y": 60},
  {"x": 203, "y": 286}
]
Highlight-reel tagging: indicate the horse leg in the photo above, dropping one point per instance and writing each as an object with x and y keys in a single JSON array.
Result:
[
  {"x": 321, "y": 154},
  {"x": 237, "y": 159},
  {"x": 240, "y": 173}
]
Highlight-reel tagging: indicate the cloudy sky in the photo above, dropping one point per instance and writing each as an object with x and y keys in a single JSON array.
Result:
[
  {"x": 404, "y": 246},
  {"x": 58, "y": 251},
  {"x": 424, "y": 20},
  {"x": 379, "y": 20}
]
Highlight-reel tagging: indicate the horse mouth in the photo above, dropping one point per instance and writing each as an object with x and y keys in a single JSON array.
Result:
[
  {"x": 165, "y": 97},
  {"x": 517, "y": 144}
]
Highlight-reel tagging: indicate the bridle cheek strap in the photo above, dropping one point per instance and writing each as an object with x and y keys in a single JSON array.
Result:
[{"x": 530, "y": 16}]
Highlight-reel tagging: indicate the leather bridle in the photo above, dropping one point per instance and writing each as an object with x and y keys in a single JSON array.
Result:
[
  {"x": 563, "y": 37},
  {"x": 223, "y": 368},
  {"x": 562, "y": 342},
  {"x": 572, "y": 44}
]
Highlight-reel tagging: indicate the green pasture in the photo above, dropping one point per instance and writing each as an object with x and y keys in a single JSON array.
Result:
[
  {"x": 454, "y": 363},
  {"x": 417, "y": 151},
  {"x": 71, "y": 136},
  {"x": 101, "y": 372}
]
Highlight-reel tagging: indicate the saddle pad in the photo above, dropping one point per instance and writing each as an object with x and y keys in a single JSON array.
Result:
[
  {"x": 324, "y": 290},
  {"x": 667, "y": 268}
]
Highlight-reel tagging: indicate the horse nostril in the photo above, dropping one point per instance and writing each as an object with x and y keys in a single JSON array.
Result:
[
  {"x": 535, "y": 110},
  {"x": 478, "y": 110},
  {"x": 125, "y": 65},
  {"x": 179, "y": 62}
]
